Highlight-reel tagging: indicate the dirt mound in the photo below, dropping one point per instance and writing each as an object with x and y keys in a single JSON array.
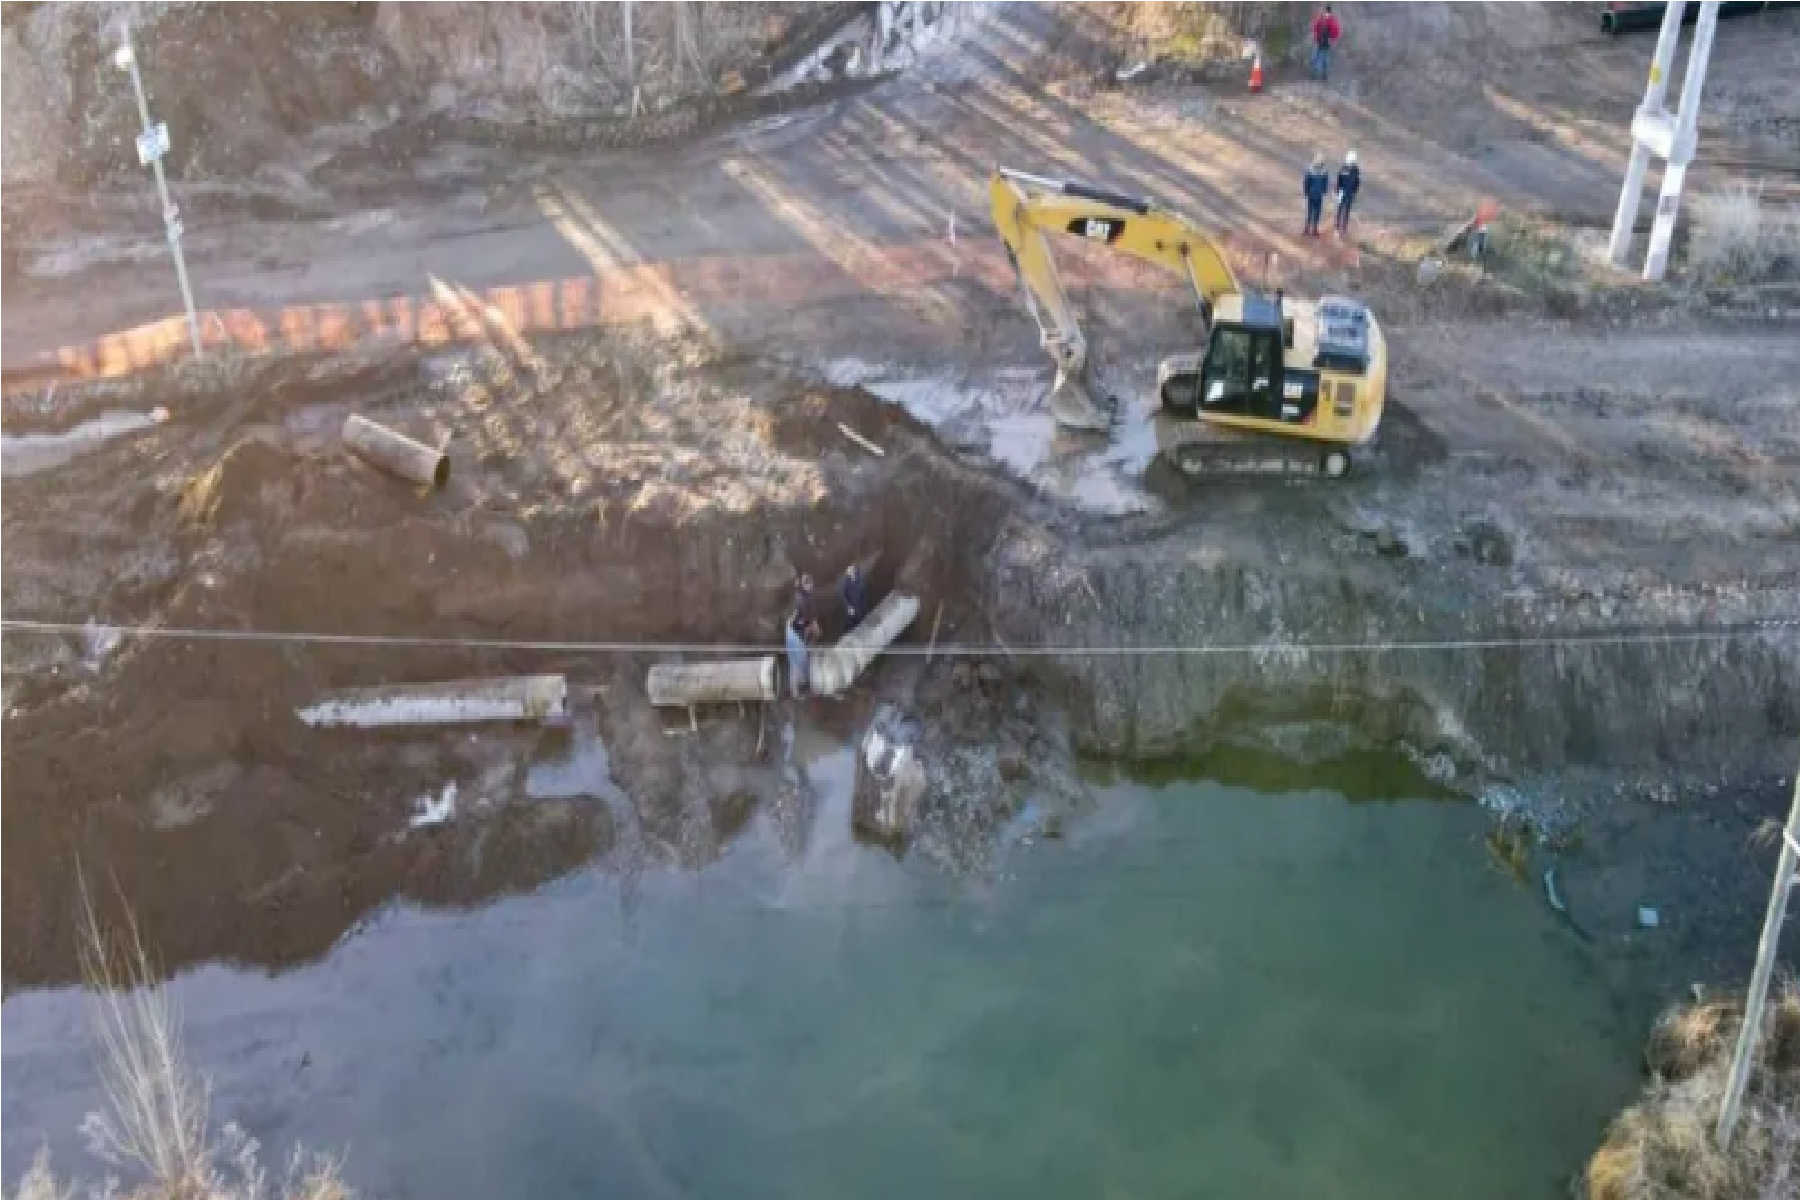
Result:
[{"x": 242, "y": 85}]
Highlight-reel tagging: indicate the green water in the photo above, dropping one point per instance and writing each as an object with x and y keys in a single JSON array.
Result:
[{"x": 1203, "y": 991}]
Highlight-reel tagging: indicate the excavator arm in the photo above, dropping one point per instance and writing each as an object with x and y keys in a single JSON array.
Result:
[{"x": 1027, "y": 208}]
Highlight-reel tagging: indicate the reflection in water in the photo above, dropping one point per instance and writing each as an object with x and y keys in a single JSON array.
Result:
[
  {"x": 581, "y": 767},
  {"x": 1202, "y": 992}
]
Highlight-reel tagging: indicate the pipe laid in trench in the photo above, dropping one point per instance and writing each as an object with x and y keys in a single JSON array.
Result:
[
  {"x": 688, "y": 685},
  {"x": 425, "y": 465},
  {"x": 524, "y": 698},
  {"x": 835, "y": 668}
]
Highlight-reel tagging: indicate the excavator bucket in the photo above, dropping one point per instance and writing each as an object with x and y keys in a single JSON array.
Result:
[{"x": 1074, "y": 404}]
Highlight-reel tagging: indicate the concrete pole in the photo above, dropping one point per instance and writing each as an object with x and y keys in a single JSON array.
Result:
[
  {"x": 129, "y": 57},
  {"x": 1745, "y": 1053},
  {"x": 1629, "y": 195},
  {"x": 630, "y": 56},
  {"x": 884, "y": 25},
  {"x": 1687, "y": 125}
]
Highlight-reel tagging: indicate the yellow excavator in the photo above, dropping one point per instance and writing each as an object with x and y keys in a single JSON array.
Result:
[{"x": 1280, "y": 385}]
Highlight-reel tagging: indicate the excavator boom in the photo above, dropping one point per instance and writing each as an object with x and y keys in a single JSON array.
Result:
[{"x": 1027, "y": 208}]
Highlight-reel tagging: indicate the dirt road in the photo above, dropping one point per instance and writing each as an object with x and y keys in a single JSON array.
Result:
[
  {"x": 1529, "y": 109},
  {"x": 661, "y": 469}
]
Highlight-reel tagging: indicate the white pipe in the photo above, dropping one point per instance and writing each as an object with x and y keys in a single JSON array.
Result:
[
  {"x": 837, "y": 667},
  {"x": 524, "y": 698},
  {"x": 684, "y": 685},
  {"x": 1660, "y": 63},
  {"x": 1668, "y": 206},
  {"x": 424, "y": 465}
]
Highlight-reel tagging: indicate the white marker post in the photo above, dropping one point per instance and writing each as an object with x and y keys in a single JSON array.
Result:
[
  {"x": 152, "y": 144},
  {"x": 1670, "y": 137},
  {"x": 1687, "y": 130},
  {"x": 1743, "y": 1057}
]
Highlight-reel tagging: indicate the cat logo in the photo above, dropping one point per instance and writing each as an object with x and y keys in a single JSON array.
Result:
[{"x": 1098, "y": 229}]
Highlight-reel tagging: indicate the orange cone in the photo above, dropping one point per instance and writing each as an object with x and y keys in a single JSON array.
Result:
[{"x": 1256, "y": 72}]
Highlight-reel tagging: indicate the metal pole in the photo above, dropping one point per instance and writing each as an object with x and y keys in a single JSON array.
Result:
[
  {"x": 171, "y": 219},
  {"x": 1687, "y": 124},
  {"x": 630, "y": 56},
  {"x": 1629, "y": 195},
  {"x": 1745, "y": 1053}
]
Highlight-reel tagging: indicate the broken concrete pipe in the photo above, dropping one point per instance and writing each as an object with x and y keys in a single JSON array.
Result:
[
  {"x": 890, "y": 783},
  {"x": 424, "y": 465},
  {"x": 689, "y": 685},
  {"x": 837, "y": 667},
  {"x": 543, "y": 698}
]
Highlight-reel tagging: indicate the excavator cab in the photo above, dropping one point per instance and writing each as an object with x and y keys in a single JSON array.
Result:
[{"x": 1241, "y": 373}]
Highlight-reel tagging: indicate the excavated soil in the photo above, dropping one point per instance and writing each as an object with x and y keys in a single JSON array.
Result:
[
  {"x": 622, "y": 488},
  {"x": 599, "y": 493},
  {"x": 1565, "y": 580}
]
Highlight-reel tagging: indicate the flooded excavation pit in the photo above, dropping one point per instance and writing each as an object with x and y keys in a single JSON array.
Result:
[
  {"x": 1273, "y": 993},
  {"x": 674, "y": 940}
]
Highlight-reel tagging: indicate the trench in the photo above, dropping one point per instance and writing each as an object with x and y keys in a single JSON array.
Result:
[
  {"x": 613, "y": 492},
  {"x": 693, "y": 925}
]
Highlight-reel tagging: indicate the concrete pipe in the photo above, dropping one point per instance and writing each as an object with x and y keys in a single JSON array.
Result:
[
  {"x": 542, "y": 698},
  {"x": 837, "y": 667},
  {"x": 689, "y": 685},
  {"x": 425, "y": 465}
]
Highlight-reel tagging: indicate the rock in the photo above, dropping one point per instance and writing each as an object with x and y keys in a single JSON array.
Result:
[
  {"x": 1428, "y": 271},
  {"x": 890, "y": 782},
  {"x": 1567, "y": 300},
  {"x": 988, "y": 673},
  {"x": 962, "y": 675},
  {"x": 1489, "y": 544},
  {"x": 1647, "y": 917},
  {"x": 1388, "y": 543},
  {"x": 1012, "y": 766}
]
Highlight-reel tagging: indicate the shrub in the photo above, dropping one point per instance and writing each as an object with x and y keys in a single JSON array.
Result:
[{"x": 1735, "y": 236}]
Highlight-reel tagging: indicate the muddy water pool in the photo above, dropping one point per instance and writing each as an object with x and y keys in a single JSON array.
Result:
[{"x": 1203, "y": 990}]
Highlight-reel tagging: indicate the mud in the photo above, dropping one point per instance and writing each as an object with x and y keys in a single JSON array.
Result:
[
  {"x": 631, "y": 488},
  {"x": 603, "y": 491},
  {"x": 1584, "y": 497}
]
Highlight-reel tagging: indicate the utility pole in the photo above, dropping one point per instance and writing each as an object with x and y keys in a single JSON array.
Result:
[
  {"x": 1654, "y": 131},
  {"x": 1745, "y": 1054},
  {"x": 152, "y": 144},
  {"x": 630, "y": 56}
]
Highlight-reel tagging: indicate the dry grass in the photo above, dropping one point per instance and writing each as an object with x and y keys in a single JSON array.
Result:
[
  {"x": 155, "y": 1125},
  {"x": 1662, "y": 1147},
  {"x": 1736, "y": 237}
]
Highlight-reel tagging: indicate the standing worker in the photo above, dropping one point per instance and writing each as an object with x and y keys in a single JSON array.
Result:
[
  {"x": 1315, "y": 184},
  {"x": 795, "y": 634},
  {"x": 855, "y": 600},
  {"x": 804, "y": 611},
  {"x": 802, "y": 627},
  {"x": 1349, "y": 182},
  {"x": 1325, "y": 33}
]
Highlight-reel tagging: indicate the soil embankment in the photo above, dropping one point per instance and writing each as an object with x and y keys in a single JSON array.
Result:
[{"x": 623, "y": 489}]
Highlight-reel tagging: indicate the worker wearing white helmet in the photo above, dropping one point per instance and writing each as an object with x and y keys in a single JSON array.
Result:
[{"x": 1349, "y": 182}]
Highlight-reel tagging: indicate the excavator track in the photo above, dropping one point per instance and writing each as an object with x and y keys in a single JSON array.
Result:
[{"x": 1202, "y": 451}]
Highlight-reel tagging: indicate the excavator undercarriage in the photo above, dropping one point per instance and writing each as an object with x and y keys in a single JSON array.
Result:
[{"x": 1280, "y": 386}]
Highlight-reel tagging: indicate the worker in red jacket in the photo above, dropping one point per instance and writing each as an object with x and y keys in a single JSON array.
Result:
[{"x": 1325, "y": 33}]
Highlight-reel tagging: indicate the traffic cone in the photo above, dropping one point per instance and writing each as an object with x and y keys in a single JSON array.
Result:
[{"x": 1256, "y": 72}]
